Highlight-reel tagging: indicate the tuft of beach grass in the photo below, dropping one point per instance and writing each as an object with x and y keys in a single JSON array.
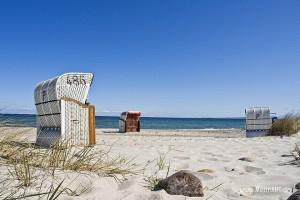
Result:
[
  {"x": 288, "y": 125},
  {"x": 63, "y": 157},
  {"x": 162, "y": 168},
  {"x": 296, "y": 152},
  {"x": 30, "y": 167}
]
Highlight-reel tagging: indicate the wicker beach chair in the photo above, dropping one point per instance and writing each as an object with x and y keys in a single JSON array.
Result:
[
  {"x": 258, "y": 121},
  {"x": 129, "y": 122},
  {"x": 62, "y": 110}
]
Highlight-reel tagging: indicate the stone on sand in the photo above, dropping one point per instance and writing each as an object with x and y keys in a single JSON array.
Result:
[
  {"x": 297, "y": 186},
  {"x": 181, "y": 183},
  {"x": 295, "y": 196}
]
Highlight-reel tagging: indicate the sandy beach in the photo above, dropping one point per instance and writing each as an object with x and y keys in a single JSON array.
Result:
[
  {"x": 150, "y": 100},
  {"x": 212, "y": 155}
]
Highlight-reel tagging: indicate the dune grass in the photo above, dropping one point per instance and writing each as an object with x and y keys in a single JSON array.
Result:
[
  {"x": 29, "y": 166},
  {"x": 63, "y": 157},
  {"x": 295, "y": 153},
  {"x": 162, "y": 168},
  {"x": 288, "y": 125},
  {"x": 22, "y": 171}
]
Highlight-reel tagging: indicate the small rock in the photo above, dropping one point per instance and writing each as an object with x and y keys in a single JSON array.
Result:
[
  {"x": 286, "y": 155},
  {"x": 295, "y": 155},
  {"x": 295, "y": 196},
  {"x": 297, "y": 186},
  {"x": 229, "y": 169},
  {"x": 181, "y": 183},
  {"x": 247, "y": 159}
]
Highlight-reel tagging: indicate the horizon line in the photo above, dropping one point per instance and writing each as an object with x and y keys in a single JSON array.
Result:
[{"x": 143, "y": 116}]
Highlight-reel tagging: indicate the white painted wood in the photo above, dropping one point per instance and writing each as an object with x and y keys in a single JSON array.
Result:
[
  {"x": 258, "y": 121},
  {"x": 61, "y": 107}
]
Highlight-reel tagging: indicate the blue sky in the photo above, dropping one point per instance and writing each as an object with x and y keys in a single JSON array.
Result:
[{"x": 174, "y": 58}]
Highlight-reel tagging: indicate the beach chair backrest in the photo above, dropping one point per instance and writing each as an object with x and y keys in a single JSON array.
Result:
[
  {"x": 258, "y": 119},
  {"x": 62, "y": 111},
  {"x": 129, "y": 121}
]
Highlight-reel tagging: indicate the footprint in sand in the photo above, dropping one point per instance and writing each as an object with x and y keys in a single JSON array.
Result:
[
  {"x": 125, "y": 185},
  {"x": 209, "y": 153},
  {"x": 225, "y": 160},
  {"x": 219, "y": 155},
  {"x": 154, "y": 197},
  {"x": 212, "y": 159},
  {"x": 181, "y": 157},
  {"x": 182, "y": 166},
  {"x": 254, "y": 170},
  {"x": 204, "y": 176}
]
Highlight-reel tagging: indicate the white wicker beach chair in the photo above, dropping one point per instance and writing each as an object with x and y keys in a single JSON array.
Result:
[
  {"x": 62, "y": 111},
  {"x": 258, "y": 121}
]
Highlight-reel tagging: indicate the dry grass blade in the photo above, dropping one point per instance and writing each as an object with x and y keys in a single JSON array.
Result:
[
  {"x": 25, "y": 196},
  {"x": 52, "y": 194},
  {"x": 161, "y": 161},
  {"x": 151, "y": 182},
  {"x": 56, "y": 192},
  {"x": 160, "y": 165},
  {"x": 22, "y": 170},
  {"x": 296, "y": 155}
]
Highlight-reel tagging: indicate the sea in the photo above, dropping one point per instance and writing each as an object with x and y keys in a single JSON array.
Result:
[{"x": 29, "y": 120}]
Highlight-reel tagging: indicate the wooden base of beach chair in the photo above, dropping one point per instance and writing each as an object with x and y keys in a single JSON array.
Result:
[{"x": 92, "y": 132}]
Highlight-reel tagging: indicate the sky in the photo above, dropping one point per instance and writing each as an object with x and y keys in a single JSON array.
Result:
[{"x": 171, "y": 58}]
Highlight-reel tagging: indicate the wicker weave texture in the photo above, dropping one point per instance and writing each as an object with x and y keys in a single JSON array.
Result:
[
  {"x": 61, "y": 110},
  {"x": 258, "y": 118}
]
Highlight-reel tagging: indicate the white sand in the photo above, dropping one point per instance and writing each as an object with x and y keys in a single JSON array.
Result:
[{"x": 188, "y": 151}]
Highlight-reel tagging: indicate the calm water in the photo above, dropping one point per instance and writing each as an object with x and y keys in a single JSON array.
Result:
[{"x": 146, "y": 122}]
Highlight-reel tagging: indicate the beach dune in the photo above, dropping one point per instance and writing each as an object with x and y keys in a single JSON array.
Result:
[{"x": 229, "y": 165}]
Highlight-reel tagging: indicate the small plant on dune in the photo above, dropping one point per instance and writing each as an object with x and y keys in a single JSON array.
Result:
[
  {"x": 53, "y": 193},
  {"x": 161, "y": 161},
  {"x": 160, "y": 165},
  {"x": 288, "y": 125},
  {"x": 89, "y": 159},
  {"x": 22, "y": 170},
  {"x": 296, "y": 153},
  {"x": 151, "y": 182}
]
